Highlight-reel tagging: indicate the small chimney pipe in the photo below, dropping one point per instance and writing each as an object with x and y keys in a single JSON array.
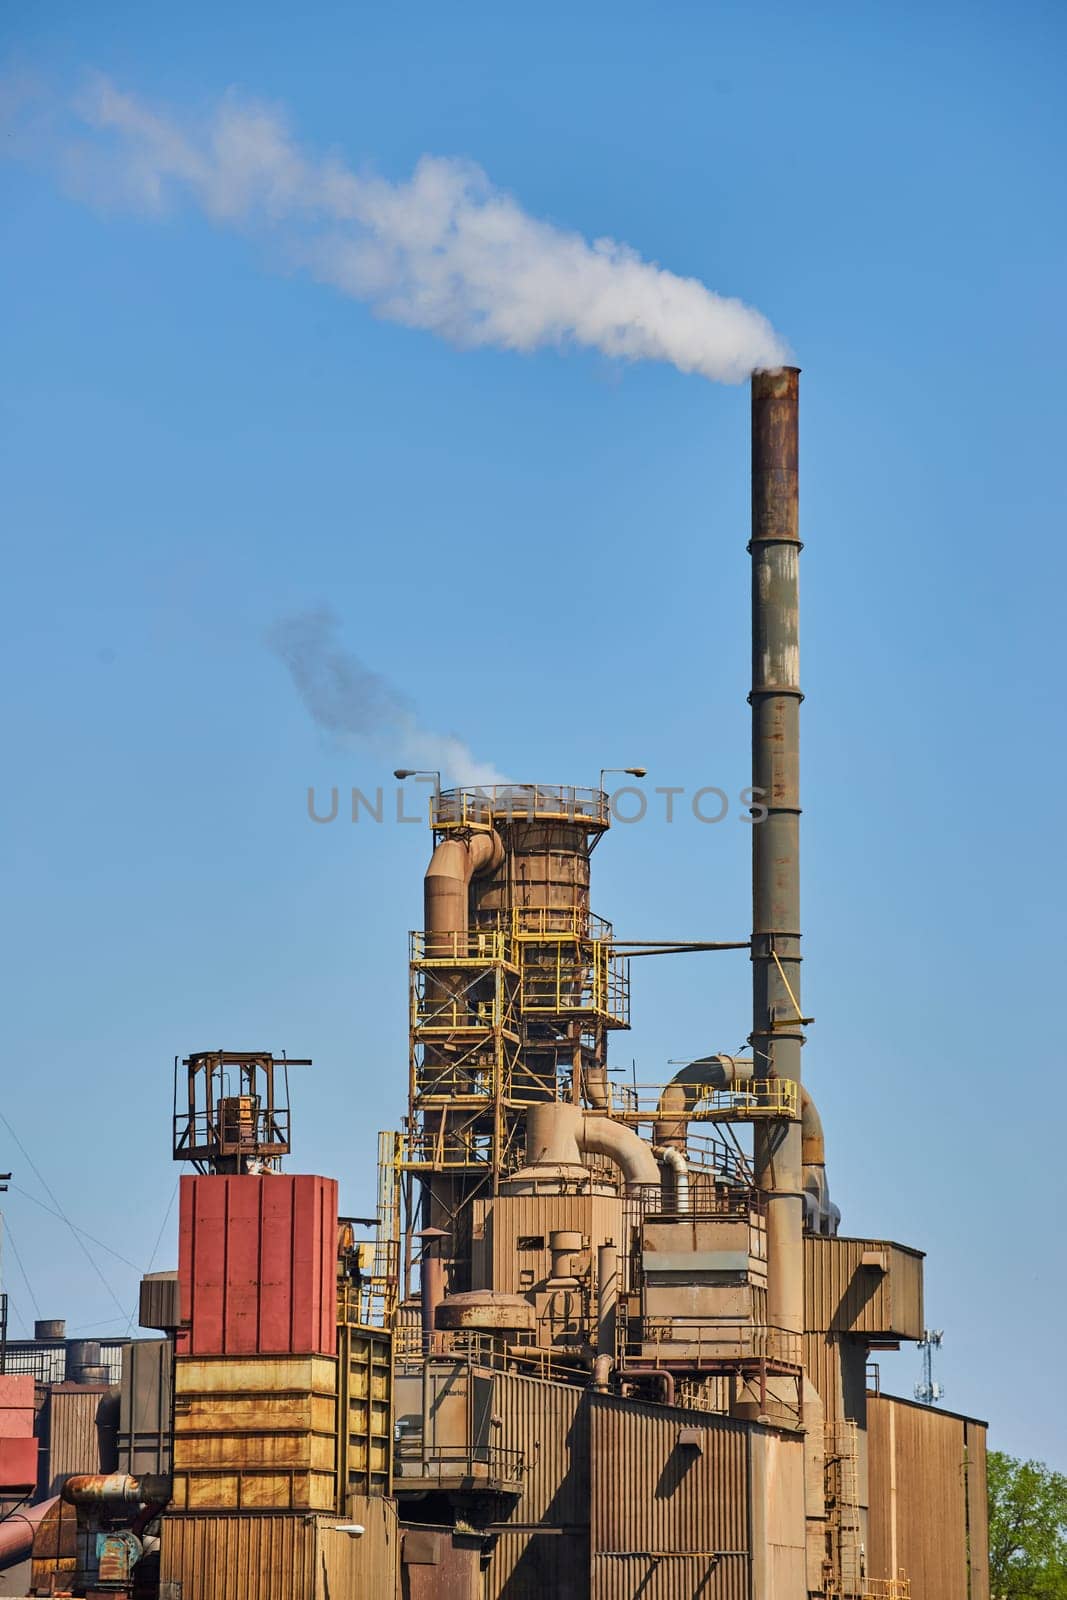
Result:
[{"x": 777, "y": 1025}]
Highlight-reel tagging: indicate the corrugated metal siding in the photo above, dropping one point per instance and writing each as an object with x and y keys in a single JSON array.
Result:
[
  {"x": 840, "y": 1293},
  {"x": 255, "y": 1434},
  {"x": 974, "y": 1434},
  {"x": 655, "y": 1498},
  {"x": 70, "y": 1434},
  {"x": 779, "y": 1532},
  {"x": 281, "y": 1557},
  {"x": 529, "y": 1565},
  {"x": 669, "y": 1578},
  {"x": 822, "y": 1363},
  {"x": 918, "y": 1497},
  {"x": 145, "y": 1407},
  {"x": 231, "y": 1558},
  {"x": 496, "y": 1230},
  {"x": 549, "y": 1423},
  {"x": 368, "y": 1566},
  {"x": 257, "y": 1264}
]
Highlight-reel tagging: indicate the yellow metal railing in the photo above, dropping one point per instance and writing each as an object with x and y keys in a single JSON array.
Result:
[
  {"x": 438, "y": 1015},
  {"x": 451, "y": 1082},
  {"x": 575, "y": 979},
  {"x": 481, "y": 946},
  {"x": 438, "y": 1149},
  {"x": 506, "y": 802},
  {"x": 887, "y": 1588},
  {"x": 753, "y": 1101},
  {"x": 558, "y": 922}
]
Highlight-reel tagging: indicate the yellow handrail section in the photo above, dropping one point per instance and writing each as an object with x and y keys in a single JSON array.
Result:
[
  {"x": 508, "y": 802},
  {"x": 754, "y": 1101},
  {"x": 558, "y": 922},
  {"x": 464, "y": 949},
  {"x": 575, "y": 978}
]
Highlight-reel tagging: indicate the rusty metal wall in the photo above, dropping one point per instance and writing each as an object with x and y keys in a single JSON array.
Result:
[
  {"x": 668, "y": 1519},
  {"x": 501, "y": 1254},
  {"x": 531, "y": 1563},
  {"x": 837, "y": 1365},
  {"x": 370, "y": 1565},
  {"x": 779, "y": 1536},
  {"x": 549, "y": 1423},
  {"x": 279, "y": 1557},
  {"x": 822, "y": 1363},
  {"x": 922, "y": 1482},
  {"x": 70, "y": 1439},
  {"x": 257, "y": 1263},
  {"x": 843, "y": 1295},
  {"x": 145, "y": 1407},
  {"x": 439, "y": 1562},
  {"x": 974, "y": 1438},
  {"x": 255, "y": 1433},
  {"x": 669, "y": 1577}
]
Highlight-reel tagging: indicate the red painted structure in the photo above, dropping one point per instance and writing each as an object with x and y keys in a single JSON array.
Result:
[
  {"x": 16, "y": 1404},
  {"x": 257, "y": 1264},
  {"x": 18, "y": 1447}
]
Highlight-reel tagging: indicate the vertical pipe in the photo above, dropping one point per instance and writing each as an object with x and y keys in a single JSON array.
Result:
[
  {"x": 607, "y": 1298},
  {"x": 432, "y": 1280},
  {"x": 777, "y": 1036}
]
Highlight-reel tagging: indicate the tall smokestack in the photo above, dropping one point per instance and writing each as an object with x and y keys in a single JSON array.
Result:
[{"x": 777, "y": 1036}]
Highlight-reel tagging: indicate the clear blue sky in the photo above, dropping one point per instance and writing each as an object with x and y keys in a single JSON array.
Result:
[{"x": 546, "y": 553}]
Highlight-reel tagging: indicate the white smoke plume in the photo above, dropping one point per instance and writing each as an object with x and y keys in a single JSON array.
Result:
[
  {"x": 359, "y": 706},
  {"x": 444, "y": 250}
]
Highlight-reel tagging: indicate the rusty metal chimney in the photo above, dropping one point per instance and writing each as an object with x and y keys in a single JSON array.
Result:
[{"x": 777, "y": 1034}]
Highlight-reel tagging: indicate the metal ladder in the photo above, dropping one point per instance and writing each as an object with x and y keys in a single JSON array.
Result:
[{"x": 842, "y": 1470}]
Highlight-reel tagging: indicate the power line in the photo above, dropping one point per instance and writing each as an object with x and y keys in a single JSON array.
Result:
[
  {"x": 25, "y": 1275},
  {"x": 155, "y": 1247},
  {"x": 26, "y": 1195},
  {"x": 55, "y": 1201}
]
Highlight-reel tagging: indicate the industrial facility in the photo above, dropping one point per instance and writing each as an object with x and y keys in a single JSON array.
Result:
[{"x": 601, "y": 1340}]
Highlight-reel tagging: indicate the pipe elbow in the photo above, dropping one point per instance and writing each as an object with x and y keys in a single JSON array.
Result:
[
  {"x": 813, "y": 1144},
  {"x": 602, "y": 1366},
  {"x": 676, "y": 1165},
  {"x": 460, "y": 860},
  {"x": 557, "y": 1134},
  {"x": 446, "y": 884},
  {"x": 821, "y": 1215},
  {"x": 679, "y": 1098},
  {"x": 620, "y": 1144}
]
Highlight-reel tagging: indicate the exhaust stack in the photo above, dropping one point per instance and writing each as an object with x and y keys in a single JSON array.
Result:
[{"x": 777, "y": 1031}]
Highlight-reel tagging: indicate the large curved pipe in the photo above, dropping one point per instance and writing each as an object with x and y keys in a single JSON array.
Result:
[
  {"x": 446, "y": 901},
  {"x": 680, "y": 1097},
  {"x": 821, "y": 1215},
  {"x": 18, "y": 1528},
  {"x": 446, "y": 886},
  {"x": 812, "y": 1141},
  {"x": 115, "y": 1489},
  {"x": 686, "y": 1089},
  {"x": 602, "y": 1137},
  {"x": 557, "y": 1134}
]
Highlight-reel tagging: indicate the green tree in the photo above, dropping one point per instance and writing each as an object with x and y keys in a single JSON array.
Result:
[{"x": 1027, "y": 1530}]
